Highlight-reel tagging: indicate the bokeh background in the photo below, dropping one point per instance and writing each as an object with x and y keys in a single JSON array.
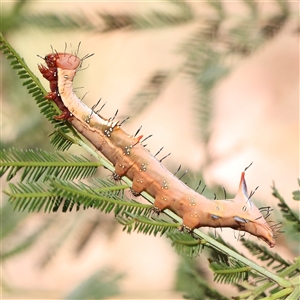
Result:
[{"x": 216, "y": 83}]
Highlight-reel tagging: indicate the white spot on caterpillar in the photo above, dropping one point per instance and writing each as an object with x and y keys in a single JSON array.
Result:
[
  {"x": 127, "y": 150},
  {"x": 108, "y": 131},
  {"x": 165, "y": 185},
  {"x": 144, "y": 167},
  {"x": 192, "y": 201}
]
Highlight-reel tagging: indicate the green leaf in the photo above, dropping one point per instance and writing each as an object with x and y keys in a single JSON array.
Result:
[
  {"x": 185, "y": 244},
  {"x": 233, "y": 273},
  {"x": 99, "y": 194},
  {"x": 33, "y": 82},
  {"x": 41, "y": 165},
  {"x": 296, "y": 194},
  {"x": 287, "y": 212},
  {"x": 51, "y": 195},
  {"x": 31, "y": 196},
  {"x": 145, "y": 225},
  {"x": 60, "y": 140},
  {"x": 264, "y": 254}
]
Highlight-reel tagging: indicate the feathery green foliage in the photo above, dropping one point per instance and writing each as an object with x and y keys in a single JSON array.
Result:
[
  {"x": 146, "y": 225},
  {"x": 185, "y": 244},
  {"x": 296, "y": 194},
  {"x": 264, "y": 254},
  {"x": 31, "y": 196},
  {"x": 289, "y": 214},
  {"x": 229, "y": 271},
  {"x": 60, "y": 140},
  {"x": 41, "y": 165},
  {"x": 99, "y": 196},
  {"x": 30, "y": 81}
]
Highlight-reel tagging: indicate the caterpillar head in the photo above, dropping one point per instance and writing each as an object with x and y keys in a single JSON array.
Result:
[
  {"x": 249, "y": 217},
  {"x": 64, "y": 61}
]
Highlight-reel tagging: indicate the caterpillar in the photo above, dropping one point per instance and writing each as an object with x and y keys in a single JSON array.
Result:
[{"x": 130, "y": 158}]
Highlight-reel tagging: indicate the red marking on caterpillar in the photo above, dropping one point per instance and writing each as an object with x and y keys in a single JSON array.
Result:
[{"x": 130, "y": 158}]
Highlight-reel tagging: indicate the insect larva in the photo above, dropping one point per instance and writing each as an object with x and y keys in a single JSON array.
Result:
[{"x": 130, "y": 158}]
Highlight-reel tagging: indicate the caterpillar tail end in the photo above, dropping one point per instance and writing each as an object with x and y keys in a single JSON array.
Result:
[{"x": 250, "y": 218}]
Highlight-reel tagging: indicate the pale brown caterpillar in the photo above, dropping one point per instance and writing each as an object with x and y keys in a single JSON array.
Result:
[{"x": 130, "y": 158}]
